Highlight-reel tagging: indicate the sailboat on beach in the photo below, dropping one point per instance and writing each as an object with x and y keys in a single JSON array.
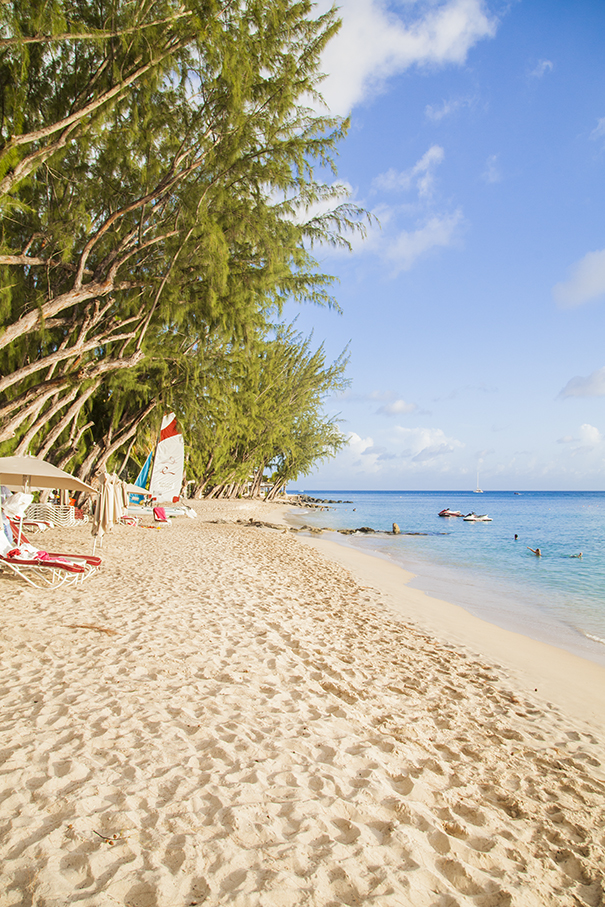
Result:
[{"x": 163, "y": 473}]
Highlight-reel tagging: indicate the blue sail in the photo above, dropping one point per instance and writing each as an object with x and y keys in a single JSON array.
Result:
[{"x": 142, "y": 480}]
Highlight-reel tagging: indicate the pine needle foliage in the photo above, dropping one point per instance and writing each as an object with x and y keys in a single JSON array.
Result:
[{"x": 159, "y": 170}]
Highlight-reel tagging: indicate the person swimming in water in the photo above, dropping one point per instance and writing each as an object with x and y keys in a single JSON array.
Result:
[
  {"x": 576, "y": 555},
  {"x": 535, "y": 551}
]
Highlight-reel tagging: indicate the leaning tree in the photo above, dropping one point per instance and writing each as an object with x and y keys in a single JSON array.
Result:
[{"x": 157, "y": 170}]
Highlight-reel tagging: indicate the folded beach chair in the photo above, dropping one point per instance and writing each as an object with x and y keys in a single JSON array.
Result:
[
  {"x": 159, "y": 515},
  {"x": 42, "y": 568}
]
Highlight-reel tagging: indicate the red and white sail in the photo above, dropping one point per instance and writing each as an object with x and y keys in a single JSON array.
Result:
[{"x": 167, "y": 475}]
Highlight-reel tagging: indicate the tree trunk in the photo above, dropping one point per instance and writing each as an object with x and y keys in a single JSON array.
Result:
[
  {"x": 72, "y": 450},
  {"x": 276, "y": 489},
  {"x": 10, "y": 428},
  {"x": 125, "y": 460},
  {"x": 99, "y": 460},
  {"x": 88, "y": 463},
  {"x": 70, "y": 416},
  {"x": 257, "y": 481},
  {"x": 40, "y": 422}
]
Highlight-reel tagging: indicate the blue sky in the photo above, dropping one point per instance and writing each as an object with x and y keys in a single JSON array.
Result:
[{"x": 475, "y": 313}]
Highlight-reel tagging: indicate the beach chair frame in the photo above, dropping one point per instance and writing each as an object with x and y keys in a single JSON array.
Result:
[
  {"x": 55, "y": 569},
  {"x": 44, "y": 574}
]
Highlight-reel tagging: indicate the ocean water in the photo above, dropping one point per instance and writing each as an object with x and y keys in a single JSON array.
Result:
[{"x": 555, "y": 598}]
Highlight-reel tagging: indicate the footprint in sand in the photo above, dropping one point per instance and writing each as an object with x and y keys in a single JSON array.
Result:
[{"x": 349, "y": 833}]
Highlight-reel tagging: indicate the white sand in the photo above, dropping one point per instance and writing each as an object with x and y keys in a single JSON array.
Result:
[
  {"x": 560, "y": 677},
  {"x": 223, "y": 716}
]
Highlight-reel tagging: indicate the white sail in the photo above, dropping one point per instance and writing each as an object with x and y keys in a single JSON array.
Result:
[{"x": 167, "y": 475}]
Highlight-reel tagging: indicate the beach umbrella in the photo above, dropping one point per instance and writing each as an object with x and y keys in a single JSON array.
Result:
[
  {"x": 111, "y": 504},
  {"x": 25, "y": 473}
]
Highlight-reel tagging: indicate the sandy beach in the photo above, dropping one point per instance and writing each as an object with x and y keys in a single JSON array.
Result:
[{"x": 228, "y": 714}]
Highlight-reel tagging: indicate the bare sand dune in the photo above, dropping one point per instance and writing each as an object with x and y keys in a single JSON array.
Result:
[{"x": 223, "y": 716}]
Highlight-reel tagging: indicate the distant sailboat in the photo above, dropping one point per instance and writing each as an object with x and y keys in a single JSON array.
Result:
[{"x": 477, "y": 489}]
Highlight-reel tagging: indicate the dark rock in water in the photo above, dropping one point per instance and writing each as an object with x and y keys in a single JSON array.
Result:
[
  {"x": 366, "y": 529},
  {"x": 306, "y": 499},
  {"x": 396, "y": 529}
]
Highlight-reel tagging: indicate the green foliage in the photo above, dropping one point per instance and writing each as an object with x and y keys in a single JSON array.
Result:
[
  {"x": 157, "y": 167},
  {"x": 258, "y": 405}
]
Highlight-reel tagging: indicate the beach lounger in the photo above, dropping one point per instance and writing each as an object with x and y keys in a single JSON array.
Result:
[
  {"x": 33, "y": 525},
  {"x": 16, "y": 506},
  {"x": 159, "y": 515},
  {"x": 36, "y": 569},
  {"x": 42, "y": 568}
]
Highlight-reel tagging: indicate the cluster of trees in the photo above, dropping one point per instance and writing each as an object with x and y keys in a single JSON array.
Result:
[{"x": 157, "y": 194}]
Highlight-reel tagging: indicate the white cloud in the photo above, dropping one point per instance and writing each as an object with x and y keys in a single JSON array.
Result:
[
  {"x": 400, "y": 450},
  {"x": 542, "y": 67},
  {"x": 590, "y": 438},
  {"x": 589, "y": 435},
  {"x": 430, "y": 453},
  {"x": 599, "y": 129},
  {"x": 438, "y": 113},
  {"x": 421, "y": 175},
  {"x": 397, "y": 408},
  {"x": 410, "y": 245},
  {"x": 492, "y": 172},
  {"x": 587, "y": 281},
  {"x": 422, "y": 444},
  {"x": 447, "y": 108},
  {"x": 350, "y": 458},
  {"x": 402, "y": 248},
  {"x": 375, "y": 43},
  {"x": 591, "y": 386}
]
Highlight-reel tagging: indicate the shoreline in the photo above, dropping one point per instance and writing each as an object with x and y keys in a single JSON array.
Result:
[
  {"x": 508, "y": 608},
  {"x": 575, "y": 683},
  {"x": 228, "y": 714}
]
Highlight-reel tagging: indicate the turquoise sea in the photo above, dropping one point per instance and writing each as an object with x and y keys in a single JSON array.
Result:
[{"x": 555, "y": 598}]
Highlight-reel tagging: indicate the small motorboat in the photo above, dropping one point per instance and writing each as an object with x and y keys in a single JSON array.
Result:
[
  {"x": 448, "y": 512},
  {"x": 477, "y": 518}
]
